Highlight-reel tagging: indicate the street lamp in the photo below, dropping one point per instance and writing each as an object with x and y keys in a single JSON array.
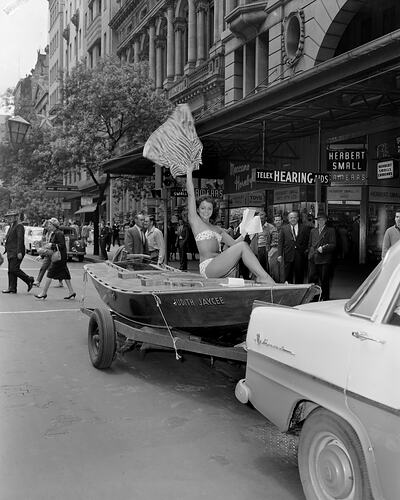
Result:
[{"x": 17, "y": 128}]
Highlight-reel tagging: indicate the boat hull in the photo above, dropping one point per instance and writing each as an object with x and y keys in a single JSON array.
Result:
[{"x": 201, "y": 311}]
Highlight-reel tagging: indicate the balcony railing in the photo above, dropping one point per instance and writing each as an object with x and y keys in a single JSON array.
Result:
[{"x": 212, "y": 71}]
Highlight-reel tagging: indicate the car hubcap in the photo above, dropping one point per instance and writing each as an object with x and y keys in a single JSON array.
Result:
[{"x": 333, "y": 469}]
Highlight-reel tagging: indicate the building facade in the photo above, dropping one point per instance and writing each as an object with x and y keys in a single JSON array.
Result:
[{"x": 284, "y": 86}]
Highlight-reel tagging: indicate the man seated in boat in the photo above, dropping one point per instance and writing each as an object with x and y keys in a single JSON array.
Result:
[{"x": 213, "y": 262}]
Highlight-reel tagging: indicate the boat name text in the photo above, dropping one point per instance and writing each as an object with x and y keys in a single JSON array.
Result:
[{"x": 202, "y": 301}]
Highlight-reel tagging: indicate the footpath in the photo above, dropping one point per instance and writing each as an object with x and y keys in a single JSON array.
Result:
[{"x": 346, "y": 279}]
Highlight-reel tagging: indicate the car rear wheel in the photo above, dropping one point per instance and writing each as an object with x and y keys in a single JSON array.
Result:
[
  {"x": 101, "y": 338},
  {"x": 331, "y": 461}
]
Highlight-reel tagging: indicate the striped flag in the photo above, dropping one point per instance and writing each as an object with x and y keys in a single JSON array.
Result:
[{"x": 175, "y": 144}]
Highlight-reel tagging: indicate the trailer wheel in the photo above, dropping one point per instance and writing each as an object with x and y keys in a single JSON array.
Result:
[
  {"x": 331, "y": 460},
  {"x": 101, "y": 339}
]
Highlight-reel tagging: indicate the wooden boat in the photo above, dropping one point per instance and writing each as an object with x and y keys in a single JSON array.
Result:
[{"x": 163, "y": 298}]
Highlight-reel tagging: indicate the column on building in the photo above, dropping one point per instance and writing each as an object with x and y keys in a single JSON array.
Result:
[
  {"x": 201, "y": 8},
  {"x": 129, "y": 51},
  {"x": 248, "y": 68},
  {"x": 261, "y": 57},
  {"x": 152, "y": 52},
  {"x": 230, "y": 5},
  {"x": 216, "y": 22},
  {"x": 136, "y": 45},
  {"x": 192, "y": 35},
  {"x": 160, "y": 46},
  {"x": 179, "y": 26},
  {"x": 171, "y": 51}
]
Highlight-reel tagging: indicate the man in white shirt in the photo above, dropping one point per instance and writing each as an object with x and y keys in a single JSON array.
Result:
[
  {"x": 155, "y": 240},
  {"x": 392, "y": 234}
]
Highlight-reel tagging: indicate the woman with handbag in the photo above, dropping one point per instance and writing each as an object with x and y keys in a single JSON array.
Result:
[
  {"x": 58, "y": 269},
  {"x": 45, "y": 253}
]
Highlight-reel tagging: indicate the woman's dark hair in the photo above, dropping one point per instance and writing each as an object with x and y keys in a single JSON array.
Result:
[{"x": 213, "y": 203}]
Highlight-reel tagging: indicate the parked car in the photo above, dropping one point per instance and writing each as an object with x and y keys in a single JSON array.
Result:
[
  {"x": 76, "y": 246},
  {"x": 330, "y": 372},
  {"x": 33, "y": 239}
]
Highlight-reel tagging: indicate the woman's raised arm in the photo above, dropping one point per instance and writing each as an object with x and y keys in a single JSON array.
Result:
[{"x": 192, "y": 212}]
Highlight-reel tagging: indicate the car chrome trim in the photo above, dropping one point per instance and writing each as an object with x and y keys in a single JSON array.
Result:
[{"x": 348, "y": 394}]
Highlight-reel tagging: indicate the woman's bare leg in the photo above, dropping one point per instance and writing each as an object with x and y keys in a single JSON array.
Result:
[
  {"x": 71, "y": 290},
  {"x": 46, "y": 286},
  {"x": 224, "y": 262}
]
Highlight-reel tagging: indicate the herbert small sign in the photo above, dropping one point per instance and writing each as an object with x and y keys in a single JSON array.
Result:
[
  {"x": 291, "y": 177},
  {"x": 346, "y": 160},
  {"x": 385, "y": 169}
]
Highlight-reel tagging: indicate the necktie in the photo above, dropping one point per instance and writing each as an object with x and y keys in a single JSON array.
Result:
[{"x": 294, "y": 232}]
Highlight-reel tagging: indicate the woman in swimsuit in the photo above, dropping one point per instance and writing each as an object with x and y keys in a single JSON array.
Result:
[{"x": 213, "y": 263}]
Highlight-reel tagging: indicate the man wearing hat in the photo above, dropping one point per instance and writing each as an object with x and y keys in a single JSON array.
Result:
[
  {"x": 15, "y": 249},
  {"x": 321, "y": 248}
]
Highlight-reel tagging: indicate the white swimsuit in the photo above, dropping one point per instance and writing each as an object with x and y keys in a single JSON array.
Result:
[{"x": 207, "y": 234}]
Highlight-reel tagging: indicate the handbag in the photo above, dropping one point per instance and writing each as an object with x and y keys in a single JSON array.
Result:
[{"x": 56, "y": 256}]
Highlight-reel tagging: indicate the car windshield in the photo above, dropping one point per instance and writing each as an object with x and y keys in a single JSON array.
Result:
[{"x": 363, "y": 289}]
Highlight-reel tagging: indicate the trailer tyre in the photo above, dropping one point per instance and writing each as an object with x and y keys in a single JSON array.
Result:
[
  {"x": 331, "y": 460},
  {"x": 101, "y": 339}
]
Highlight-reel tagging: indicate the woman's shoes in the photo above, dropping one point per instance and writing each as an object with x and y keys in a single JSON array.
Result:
[
  {"x": 41, "y": 297},
  {"x": 72, "y": 296}
]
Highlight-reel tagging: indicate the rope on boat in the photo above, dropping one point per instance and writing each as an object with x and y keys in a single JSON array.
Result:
[{"x": 174, "y": 339}]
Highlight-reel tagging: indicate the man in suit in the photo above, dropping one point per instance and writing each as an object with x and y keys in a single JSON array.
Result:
[
  {"x": 182, "y": 238},
  {"x": 321, "y": 247},
  {"x": 292, "y": 248},
  {"x": 15, "y": 249},
  {"x": 135, "y": 237}
]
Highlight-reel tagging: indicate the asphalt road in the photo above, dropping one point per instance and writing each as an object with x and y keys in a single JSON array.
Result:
[{"x": 145, "y": 429}]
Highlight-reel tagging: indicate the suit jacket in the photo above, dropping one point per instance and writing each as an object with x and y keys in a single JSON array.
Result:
[
  {"x": 288, "y": 246},
  {"x": 135, "y": 240},
  {"x": 327, "y": 240},
  {"x": 182, "y": 235},
  {"x": 15, "y": 243}
]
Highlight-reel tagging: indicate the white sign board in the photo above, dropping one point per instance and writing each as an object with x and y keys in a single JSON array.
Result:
[
  {"x": 385, "y": 169},
  {"x": 86, "y": 200}
]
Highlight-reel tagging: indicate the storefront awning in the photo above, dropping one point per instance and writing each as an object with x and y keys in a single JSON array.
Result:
[{"x": 86, "y": 209}]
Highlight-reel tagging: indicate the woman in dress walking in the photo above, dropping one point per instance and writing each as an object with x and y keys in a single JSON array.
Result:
[{"x": 58, "y": 270}]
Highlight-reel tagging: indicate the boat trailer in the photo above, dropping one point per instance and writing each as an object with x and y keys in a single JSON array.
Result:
[{"x": 110, "y": 334}]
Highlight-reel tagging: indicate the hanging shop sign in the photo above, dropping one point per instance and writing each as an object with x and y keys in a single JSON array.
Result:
[
  {"x": 240, "y": 177},
  {"x": 346, "y": 160},
  {"x": 385, "y": 169},
  {"x": 345, "y": 178},
  {"x": 384, "y": 195},
  {"x": 213, "y": 193},
  {"x": 57, "y": 188},
  {"x": 291, "y": 177}
]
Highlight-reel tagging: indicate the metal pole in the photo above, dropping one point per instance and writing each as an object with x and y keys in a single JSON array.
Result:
[
  {"x": 111, "y": 215},
  {"x": 317, "y": 183}
]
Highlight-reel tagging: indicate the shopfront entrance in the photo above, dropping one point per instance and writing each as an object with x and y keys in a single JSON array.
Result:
[{"x": 345, "y": 218}]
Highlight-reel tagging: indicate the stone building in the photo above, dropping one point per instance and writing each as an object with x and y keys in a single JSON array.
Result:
[{"x": 283, "y": 86}]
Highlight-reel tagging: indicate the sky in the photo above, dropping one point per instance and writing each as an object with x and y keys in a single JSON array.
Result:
[{"x": 23, "y": 31}]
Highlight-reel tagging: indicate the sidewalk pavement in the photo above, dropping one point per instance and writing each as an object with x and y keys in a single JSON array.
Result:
[{"x": 346, "y": 279}]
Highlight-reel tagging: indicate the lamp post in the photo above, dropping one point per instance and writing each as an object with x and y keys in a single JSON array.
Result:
[{"x": 17, "y": 128}]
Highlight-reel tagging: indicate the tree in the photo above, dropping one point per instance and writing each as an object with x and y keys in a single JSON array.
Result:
[
  {"x": 26, "y": 171},
  {"x": 103, "y": 107}
]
